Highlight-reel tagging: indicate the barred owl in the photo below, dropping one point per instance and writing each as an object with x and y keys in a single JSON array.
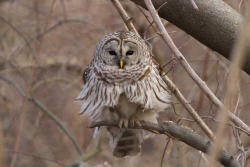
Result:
[{"x": 123, "y": 83}]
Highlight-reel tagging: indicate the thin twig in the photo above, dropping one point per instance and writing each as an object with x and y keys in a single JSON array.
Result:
[
  {"x": 126, "y": 19},
  {"x": 46, "y": 81},
  {"x": 239, "y": 6},
  {"x": 213, "y": 119},
  {"x": 164, "y": 151},
  {"x": 181, "y": 133},
  {"x": 17, "y": 31},
  {"x": 161, "y": 6},
  {"x": 94, "y": 152},
  {"x": 2, "y": 156},
  {"x": 242, "y": 156},
  {"x": 150, "y": 23},
  {"x": 194, "y": 5},
  {"x": 97, "y": 150},
  {"x": 50, "y": 29},
  {"x": 37, "y": 157},
  {"x": 46, "y": 111},
  {"x": 165, "y": 36},
  {"x": 64, "y": 9}
]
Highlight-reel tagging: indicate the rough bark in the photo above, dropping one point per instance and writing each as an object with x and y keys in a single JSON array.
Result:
[
  {"x": 177, "y": 132},
  {"x": 215, "y": 24}
]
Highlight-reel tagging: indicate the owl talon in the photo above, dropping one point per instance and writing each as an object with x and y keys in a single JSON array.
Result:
[
  {"x": 137, "y": 122},
  {"x": 123, "y": 121},
  {"x": 134, "y": 121},
  {"x": 126, "y": 123},
  {"x": 120, "y": 123}
]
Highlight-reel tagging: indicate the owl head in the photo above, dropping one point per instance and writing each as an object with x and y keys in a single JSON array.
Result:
[{"x": 121, "y": 50}]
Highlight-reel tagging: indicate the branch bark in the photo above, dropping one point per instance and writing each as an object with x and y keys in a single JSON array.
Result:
[
  {"x": 181, "y": 133},
  {"x": 216, "y": 24}
]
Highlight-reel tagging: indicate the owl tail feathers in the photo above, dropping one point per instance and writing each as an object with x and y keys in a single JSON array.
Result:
[{"x": 127, "y": 144}]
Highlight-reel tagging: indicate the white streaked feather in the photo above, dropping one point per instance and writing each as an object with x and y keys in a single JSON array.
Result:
[{"x": 138, "y": 93}]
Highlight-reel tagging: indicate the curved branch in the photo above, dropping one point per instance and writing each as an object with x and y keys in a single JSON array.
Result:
[
  {"x": 181, "y": 133},
  {"x": 46, "y": 111},
  {"x": 215, "y": 25},
  {"x": 53, "y": 27}
]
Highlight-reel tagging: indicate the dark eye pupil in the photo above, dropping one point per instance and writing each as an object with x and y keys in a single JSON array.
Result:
[
  {"x": 130, "y": 52},
  {"x": 112, "y": 52}
]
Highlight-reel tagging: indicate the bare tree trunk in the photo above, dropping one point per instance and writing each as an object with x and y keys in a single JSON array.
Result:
[{"x": 215, "y": 24}]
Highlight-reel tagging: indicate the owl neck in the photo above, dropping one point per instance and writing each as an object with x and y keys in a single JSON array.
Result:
[{"x": 123, "y": 76}]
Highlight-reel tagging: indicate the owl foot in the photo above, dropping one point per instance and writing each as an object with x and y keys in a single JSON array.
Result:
[
  {"x": 134, "y": 121},
  {"x": 123, "y": 121}
]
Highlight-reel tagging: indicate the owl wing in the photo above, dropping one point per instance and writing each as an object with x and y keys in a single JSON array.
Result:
[{"x": 86, "y": 72}]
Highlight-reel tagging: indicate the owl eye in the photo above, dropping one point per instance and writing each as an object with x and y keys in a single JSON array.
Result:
[
  {"x": 130, "y": 52},
  {"x": 112, "y": 52}
]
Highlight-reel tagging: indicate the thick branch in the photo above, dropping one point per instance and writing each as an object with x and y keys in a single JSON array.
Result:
[
  {"x": 181, "y": 133},
  {"x": 216, "y": 24}
]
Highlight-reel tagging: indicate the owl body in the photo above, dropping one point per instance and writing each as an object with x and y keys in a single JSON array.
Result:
[{"x": 123, "y": 83}]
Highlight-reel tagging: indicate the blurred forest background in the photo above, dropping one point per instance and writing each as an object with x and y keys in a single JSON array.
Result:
[{"x": 45, "y": 46}]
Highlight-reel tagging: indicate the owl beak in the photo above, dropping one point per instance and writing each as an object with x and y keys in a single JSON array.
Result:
[{"x": 121, "y": 63}]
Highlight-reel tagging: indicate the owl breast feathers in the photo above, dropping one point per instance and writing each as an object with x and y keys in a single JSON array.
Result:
[{"x": 123, "y": 83}]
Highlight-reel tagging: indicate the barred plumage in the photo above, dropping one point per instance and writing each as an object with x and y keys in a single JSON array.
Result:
[{"x": 130, "y": 93}]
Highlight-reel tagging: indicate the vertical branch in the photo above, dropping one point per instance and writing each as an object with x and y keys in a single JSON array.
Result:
[
  {"x": 64, "y": 9},
  {"x": 1, "y": 148},
  {"x": 238, "y": 55},
  {"x": 98, "y": 148},
  {"x": 25, "y": 103}
]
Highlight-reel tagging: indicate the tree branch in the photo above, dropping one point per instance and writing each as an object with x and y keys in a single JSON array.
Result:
[
  {"x": 216, "y": 24},
  {"x": 167, "y": 39},
  {"x": 46, "y": 111},
  {"x": 188, "y": 107},
  {"x": 126, "y": 19},
  {"x": 181, "y": 133}
]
